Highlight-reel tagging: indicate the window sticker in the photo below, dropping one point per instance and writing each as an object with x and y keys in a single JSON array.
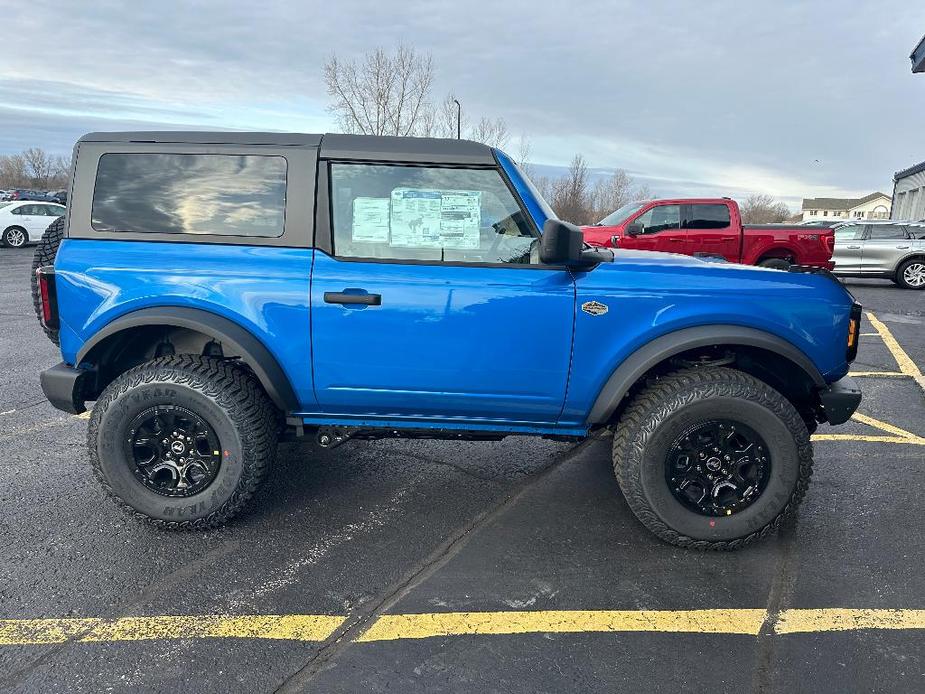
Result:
[
  {"x": 370, "y": 220},
  {"x": 426, "y": 218}
]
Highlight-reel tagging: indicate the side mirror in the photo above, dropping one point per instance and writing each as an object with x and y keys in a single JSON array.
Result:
[
  {"x": 634, "y": 230},
  {"x": 561, "y": 244}
]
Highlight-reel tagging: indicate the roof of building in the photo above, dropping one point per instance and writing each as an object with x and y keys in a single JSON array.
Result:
[
  {"x": 910, "y": 171},
  {"x": 840, "y": 203},
  {"x": 918, "y": 57},
  {"x": 332, "y": 146}
]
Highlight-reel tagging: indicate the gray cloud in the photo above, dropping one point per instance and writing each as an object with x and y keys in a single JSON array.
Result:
[{"x": 794, "y": 98}]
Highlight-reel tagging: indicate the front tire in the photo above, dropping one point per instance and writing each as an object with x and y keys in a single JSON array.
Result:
[
  {"x": 183, "y": 441},
  {"x": 775, "y": 264},
  {"x": 911, "y": 274},
  {"x": 712, "y": 458},
  {"x": 15, "y": 237}
]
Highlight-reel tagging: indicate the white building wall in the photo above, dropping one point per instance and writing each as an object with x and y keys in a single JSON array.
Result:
[{"x": 910, "y": 197}]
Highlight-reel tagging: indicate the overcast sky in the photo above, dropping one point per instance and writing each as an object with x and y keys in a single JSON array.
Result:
[{"x": 806, "y": 98}]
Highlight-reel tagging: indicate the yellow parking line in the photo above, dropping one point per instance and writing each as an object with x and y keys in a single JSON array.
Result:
[
  {"x": 906, "y": 365},
  {"x": 887, "y": 374},
  {"x": 306, "y": 627},
  {"x": 422, "y": 626},
  {"x": 885, "y": 426},
  {"x": 839, "y": 619},
  {"x": 897, "y": 435}
]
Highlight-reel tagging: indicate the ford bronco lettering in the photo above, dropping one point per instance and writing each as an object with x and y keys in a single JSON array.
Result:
[{"x": 212, "y": 292}]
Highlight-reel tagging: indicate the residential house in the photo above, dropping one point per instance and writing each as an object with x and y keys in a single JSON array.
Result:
[{"x": 873, "y": 206}]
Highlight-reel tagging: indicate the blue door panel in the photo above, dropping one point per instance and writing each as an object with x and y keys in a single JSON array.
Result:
[{"x": 447, "y": 342}]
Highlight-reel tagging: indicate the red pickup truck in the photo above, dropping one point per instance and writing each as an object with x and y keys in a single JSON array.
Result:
[{"x": 713, "y": 227}]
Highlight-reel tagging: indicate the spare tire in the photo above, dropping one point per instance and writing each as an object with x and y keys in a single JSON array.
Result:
[{"x": 45, "y": 255}]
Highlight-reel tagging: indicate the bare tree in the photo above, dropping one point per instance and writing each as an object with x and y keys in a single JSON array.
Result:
[
  {"x": 571, "y": 194},
  {"x": 39, "y": 166},
  {"x": 763, "y": 209},
  {"x": 13, "y": 171},
  {"x": 383, "y": 94},
  {"x": 493, "y": 133}
]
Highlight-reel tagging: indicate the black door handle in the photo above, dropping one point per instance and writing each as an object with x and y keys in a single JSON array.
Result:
[{"x": 342, "y": 298}]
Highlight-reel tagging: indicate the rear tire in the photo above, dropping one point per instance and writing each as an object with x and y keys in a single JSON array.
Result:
[
  {"x": 911, "y": 274},
  {"x": 14, "y": 237},
  {"x": 775, "y": 264},
  {"x": 184, "y": 441},
  {"x": 45, "y": 254},
  {"x": 660, "y": 422}
]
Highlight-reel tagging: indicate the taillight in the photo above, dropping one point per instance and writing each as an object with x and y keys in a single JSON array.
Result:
[
  {"x": 830, "y": 243},
  {"x": 854, "y": 332},
  {"x": 47, "y": 295}
]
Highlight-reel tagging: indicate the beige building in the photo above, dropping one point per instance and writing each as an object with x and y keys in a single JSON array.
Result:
[
  {"x": 909, "y": 193},
  {"x": 873, "y": 206}
]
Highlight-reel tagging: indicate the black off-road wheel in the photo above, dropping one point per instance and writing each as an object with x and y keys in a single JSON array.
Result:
[
  {"x": 775, "y": 264},
  {"x": 45, "y": 255},
  {"x": 712, "y": 458},
  {"x": 184, "y": 441}
]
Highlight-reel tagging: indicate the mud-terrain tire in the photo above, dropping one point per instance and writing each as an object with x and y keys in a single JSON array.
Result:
[
  {"x": 775, "y": 264},
  {"x": 657, "y": 421},
  {"x": 45, "y": 254},
  {"x": 909, "y": 275},
  {"x": 164, "y": 397}
]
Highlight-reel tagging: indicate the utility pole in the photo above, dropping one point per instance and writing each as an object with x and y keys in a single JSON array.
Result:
[{"x": 458, "y": 119}]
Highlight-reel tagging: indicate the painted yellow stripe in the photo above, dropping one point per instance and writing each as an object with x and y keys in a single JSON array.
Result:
[
  {"x": 869, "y": 439},
  {"x": 877, "y": 374},
  {"x": 906, "y": 365},
  {"x": 885, "y": 426},
  {"x": 839, "y": 619},
  {"x": 288, "y": 627},
  {"x": 422, "y": 626}
]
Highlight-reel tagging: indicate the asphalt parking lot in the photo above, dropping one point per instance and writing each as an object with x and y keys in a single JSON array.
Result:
[{"x": 433, "y": 566}]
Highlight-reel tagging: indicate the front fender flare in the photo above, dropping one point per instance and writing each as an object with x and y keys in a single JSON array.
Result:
[
  {"x": 239, "y": 339},
  {"x": 639, "y": 362}
]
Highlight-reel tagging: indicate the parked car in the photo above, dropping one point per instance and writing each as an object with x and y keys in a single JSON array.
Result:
[
  {"x": 58, "y": 196},
  {"x": 712, "y": 226},
  {"x": 25, "y": 222},
  {"x": 887, "y": 249},
  {"x": 821, "y": 222},
  {"x": 422, "y": 288}
]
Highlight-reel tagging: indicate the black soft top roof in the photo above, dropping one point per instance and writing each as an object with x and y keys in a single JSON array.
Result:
[{"x": 332, "y": 146}]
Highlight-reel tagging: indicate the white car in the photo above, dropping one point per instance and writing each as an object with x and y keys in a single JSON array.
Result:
[{"x": 25, "y": 222}]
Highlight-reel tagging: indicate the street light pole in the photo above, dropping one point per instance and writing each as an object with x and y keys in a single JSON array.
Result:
[{"x": 458, "y": 119}]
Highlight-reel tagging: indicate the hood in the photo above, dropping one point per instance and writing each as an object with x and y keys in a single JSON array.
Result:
[{"x": 687, "y": 273}]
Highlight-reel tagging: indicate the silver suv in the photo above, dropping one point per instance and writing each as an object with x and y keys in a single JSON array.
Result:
[{"x": 888, "y": 249}]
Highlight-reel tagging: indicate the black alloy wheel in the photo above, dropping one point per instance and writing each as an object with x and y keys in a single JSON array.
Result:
[{"x": 718, "y": 467}]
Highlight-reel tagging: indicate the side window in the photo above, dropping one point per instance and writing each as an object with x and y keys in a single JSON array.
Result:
[
  {"x": 660, "y": 218},
  {"x": 886, "y": 232},
  {"x": 19, "y": 210},
  {"x": 52, "y": 211},
  {"x": 707, "y": 217},
  {"x": 223, "y": 194},
  {"x": 427, "y": 213},
  {"x": 852, "y": 232}
]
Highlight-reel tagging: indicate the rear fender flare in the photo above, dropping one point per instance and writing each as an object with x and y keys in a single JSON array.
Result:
[{"x": 240, "y": 341}]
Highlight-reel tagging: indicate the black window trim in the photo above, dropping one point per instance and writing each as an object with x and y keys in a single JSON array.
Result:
[
  {"x": 324, "y": 223},
  {"x": 687, "y": 214}
]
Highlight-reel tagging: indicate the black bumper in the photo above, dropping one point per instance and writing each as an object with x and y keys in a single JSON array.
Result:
[
  {"x": 840, "y": 400},
  {"x": 63, "y": 386}
]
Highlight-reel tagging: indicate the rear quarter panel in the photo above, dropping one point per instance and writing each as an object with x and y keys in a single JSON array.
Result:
[
  {"x": 263, "y": 289},
  {"x": 805, "y": 244}
]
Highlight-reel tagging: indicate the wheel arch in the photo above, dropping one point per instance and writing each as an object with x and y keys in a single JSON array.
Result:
[
  {"x": 914, "y": 255},
  {"x": 137, "y": 329},
  {"x": 758, "y": 352},
  {"x": 778, "y": 250}
]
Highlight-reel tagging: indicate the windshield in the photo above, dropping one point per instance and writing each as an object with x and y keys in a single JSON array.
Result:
[{"x": 620, "y": 215}]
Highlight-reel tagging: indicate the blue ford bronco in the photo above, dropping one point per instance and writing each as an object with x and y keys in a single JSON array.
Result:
[{"x": 213, "y": 292}]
